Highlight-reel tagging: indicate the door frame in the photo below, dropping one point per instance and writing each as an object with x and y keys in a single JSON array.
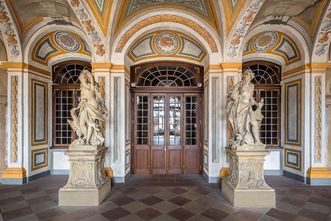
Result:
[{"x": 135, "y": 73}]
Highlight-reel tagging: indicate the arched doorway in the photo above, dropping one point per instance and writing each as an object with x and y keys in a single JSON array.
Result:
[
  {"x": 167, "y": 118},
  {"x": 267, "y": 77}
]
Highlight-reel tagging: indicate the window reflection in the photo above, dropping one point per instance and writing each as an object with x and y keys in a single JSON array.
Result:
[
  {"x": 174, "y": 120},
  {"x": 158, "y": 114}
]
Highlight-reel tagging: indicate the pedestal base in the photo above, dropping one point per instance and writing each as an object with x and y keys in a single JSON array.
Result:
[
  {"x": 84, "y": 197},
  {"x": 260, "y": 198},
  {"x": 87, "y": 184},
  {"x": 245, "y": 185}
]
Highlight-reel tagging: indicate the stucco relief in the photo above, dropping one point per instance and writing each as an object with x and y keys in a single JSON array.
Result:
[{"x": 167, "y": 18}]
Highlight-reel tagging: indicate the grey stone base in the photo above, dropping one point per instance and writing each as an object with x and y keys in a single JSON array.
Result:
[
  {"x": 84, "y": 197},
  {"x": 318, "y": 181},
  {"x": 260, "y": 198},
  {"x": 13, "y": 181}
]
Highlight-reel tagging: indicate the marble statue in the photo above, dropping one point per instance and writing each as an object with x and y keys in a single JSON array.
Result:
[
  {"x": 87, "y": 184},
  {"x": 244, "y": 113},
  {"x": 90, "y": 112},
  {"x": 245, "y": 185}
]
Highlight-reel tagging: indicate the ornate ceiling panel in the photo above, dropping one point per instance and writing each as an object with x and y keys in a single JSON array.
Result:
[
  {"x": 57, "y": 43},
  {"x": 166, "y": 43},
  {"x": 276, "y": 43},
  {"x": 202, "y": 8},
  {"x": 232, "y": 9},
  {"x": 30, "y": 12},
  {"x": 101, "y": 10}
]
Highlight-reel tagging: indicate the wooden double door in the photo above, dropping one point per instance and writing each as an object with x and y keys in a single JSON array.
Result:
[{"x": 166, "y": 133}]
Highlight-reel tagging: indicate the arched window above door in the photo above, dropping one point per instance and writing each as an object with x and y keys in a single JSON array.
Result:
[
  {"x": 265, "y": 73},
  {"x": 166, "y": 74},
  {"x": 69, "y": 74}
]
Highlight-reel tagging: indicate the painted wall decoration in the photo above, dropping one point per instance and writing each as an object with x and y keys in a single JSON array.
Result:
[
  {"x": 101, "y": 10},
  {"x": 197, "y": 5},
  {"x": 166, "y": 43},
  {"x": 293, "y": 112},
  {"x": 318, "y": 119},
  {"x": 167, "y": 18},
  {"x": 205, "y": 160},
  {"x": 242, "y": 27},
  {"x": 199, "y": 8},
  {"x": 14, "y": 123},
  {"x": 86, "y": 21},
  {"x": 323, "y": 39},
  {"x": 39, "y": 112},
  {"x": 7, "y": 27},
  {"x": 57, "y": 43},
  {"x": 276, "y": 43},
  {"x": 293, "y": 159},
  {"x": 39, "y": 159}
]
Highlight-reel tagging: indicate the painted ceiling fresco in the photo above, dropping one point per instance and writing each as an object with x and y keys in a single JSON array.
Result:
[
  {"x": 57, "y": 43},
  {"x": 202, "y": 8},
  {"x": 276, "y": 43},
  {"x": 166, "y": 43}
]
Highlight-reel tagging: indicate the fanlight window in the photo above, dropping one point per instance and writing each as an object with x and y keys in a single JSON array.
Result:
[
  {"x": 265, "y": 74},
  {"x": 69, "y": 74},
  {"x": 163, "y": 76}
]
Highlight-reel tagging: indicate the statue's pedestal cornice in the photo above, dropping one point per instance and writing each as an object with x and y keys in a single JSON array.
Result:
[
  {"x": 245, "y": 185},
  {"x": 87, "y": 183}
]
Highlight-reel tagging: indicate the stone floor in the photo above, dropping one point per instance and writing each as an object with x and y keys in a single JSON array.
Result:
[{"x": 165, "y": 197}]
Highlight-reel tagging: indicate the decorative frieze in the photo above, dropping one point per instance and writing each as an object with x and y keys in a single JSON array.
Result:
[
  {"x": 14, "y": 81},
  {"x": 318, "y": 118}
]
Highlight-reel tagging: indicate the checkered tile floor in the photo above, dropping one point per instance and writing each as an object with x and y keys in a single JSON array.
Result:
[{"x": 158, "y": 197}]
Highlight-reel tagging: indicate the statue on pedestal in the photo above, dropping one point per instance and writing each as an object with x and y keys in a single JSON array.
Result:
[
  {"x": 245, "y": 185},
  {"x": 91, "y": 112},
  {"x": 87, "y": 184},
  {"x": 244, "y": 113}
]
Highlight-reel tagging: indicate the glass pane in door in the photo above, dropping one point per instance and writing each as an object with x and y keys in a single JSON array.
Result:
[
  {"x": 142, "y": 120},
  {"x": 174, "y": 120},
  {"x": 191, "y": 120},
  {"x": 158, "y": 120}
]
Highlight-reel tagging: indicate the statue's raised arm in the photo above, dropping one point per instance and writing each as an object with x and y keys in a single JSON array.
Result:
[{"x": 90, "y": 113}]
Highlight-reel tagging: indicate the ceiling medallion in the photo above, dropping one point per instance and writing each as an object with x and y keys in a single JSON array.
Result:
[
  {"x": 265, "y": 41},
  {"x": 67, "y": 41},
  {"x": 166, "y": 43}
]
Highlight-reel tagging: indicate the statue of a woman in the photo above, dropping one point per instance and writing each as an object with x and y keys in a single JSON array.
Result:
[
  {"x": 91, "y": 112},
  {"x": 243, "y": 112}
]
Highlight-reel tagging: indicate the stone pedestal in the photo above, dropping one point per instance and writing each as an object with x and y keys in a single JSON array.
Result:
[
  {"x": 87, "y": 184},
  {"x": 245, "y": 185}
]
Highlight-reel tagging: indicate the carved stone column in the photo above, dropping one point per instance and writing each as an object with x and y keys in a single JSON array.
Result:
[
  {"x": 87, "y": 184},
  {"x": 245, "y": 185}
]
